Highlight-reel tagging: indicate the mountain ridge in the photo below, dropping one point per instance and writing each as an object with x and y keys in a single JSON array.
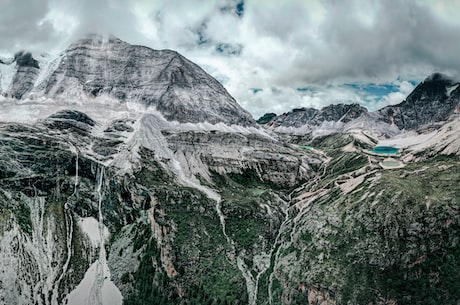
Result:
[
  {"x": 112, "y": 202},
  {"x": 432, "y": 101},
  {"x": 96, "y": 65}
]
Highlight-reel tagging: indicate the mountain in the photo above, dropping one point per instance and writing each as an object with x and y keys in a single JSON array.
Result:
[
  {"x": 432, "y": 101},
  {"x": 333, "y": 113},
  {"x": 128, "y": 192},
  {"x": 130, "y": 176},
  {"x": 312, "y": 122},
  {"x": 23, "y": 78},
  {"x": 96, "y": 65}
]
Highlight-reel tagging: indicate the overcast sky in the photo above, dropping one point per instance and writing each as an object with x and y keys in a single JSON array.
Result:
[{"x": 271, "y": 55}]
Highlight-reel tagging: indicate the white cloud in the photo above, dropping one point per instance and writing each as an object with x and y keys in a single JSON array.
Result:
[
  {"x": 405, "y": 88},
  {"x": 281, "y": 45}
]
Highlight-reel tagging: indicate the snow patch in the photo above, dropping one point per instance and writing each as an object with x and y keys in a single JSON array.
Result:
[
  {"x": 90, "y": 226},
  {"x": 450, "y": 89},
  {"x": 7, "y": 72},
  {"x": 45, "y": 74},
  {"x": 82, "y": 295},
  {"x": 96, "y": 288}
]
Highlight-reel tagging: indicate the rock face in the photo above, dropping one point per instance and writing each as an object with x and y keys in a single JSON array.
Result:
[
  {"x": 343, "y": 113},
  {"x": 433, "y": 100},
  {"x": 166, "y": 80},
  {"x": 263, "y": 158},
  {"x": 310, "y": 122},
  {"x": 27, "y": 71}
]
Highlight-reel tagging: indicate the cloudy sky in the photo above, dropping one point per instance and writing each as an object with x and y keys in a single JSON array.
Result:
[{"x": 271, "y": 55}]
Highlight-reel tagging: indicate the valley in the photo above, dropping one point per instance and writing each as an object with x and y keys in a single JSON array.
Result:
[{"x": 145, "y": 182}]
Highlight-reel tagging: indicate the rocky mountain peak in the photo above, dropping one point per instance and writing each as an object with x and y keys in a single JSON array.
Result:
[
  {"x": 337, "y": 113},
  {"x": 25, "y": 59},
  {"x": 342, "y": 112},
  {"x": 18, "y": 74},
  {"x": 162, "y": 79},
  {"x": 433, "y": 100},
  {"x": 438, "y": 77},
  {"x": 103, "y": 65}
]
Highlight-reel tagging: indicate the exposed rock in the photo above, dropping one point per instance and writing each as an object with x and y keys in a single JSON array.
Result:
[
  {"x": 343, "y": 113},
  {"x": 232, "y": 153},
  {"x": 318, "y": 296},
  {"x": 164, "y": 79},
  {"x": 74, "y": 116},
  {"x": 25, "y": 59},
  {"x": 433, "y": 100},
  {"x": 266, "y": 118},
  {"x": 310, "y": 122},
  {"x": 23, "y": 81}
]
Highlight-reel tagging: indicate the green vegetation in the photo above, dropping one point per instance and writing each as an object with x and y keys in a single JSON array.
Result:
[
  {"x": 244, "y": 222},
  {"x": 243, "y": 198},
  {"x": 394, "y": 238},
  {"x": 345, "y": 163},
  {"x": 151, "y": 285},
  {"x": 152, "y": 172},
  {"x": 201, "y": 250}
]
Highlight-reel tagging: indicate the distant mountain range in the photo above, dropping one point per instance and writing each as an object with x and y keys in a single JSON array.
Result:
[{"x": 432, "y": 101}]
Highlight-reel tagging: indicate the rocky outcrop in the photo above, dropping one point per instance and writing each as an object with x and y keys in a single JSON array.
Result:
[
  {"x": 433, "y": 100},
  {"x": 342, "y": 113},
  {"x": 27, "y": 71},
  {"x": 252, "y": 155}
]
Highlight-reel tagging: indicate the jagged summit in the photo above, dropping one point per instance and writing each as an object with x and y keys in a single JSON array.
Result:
[
  {"x": 433, "y": 100},
  {"x": 96, "y": 65},
  {"x": 440, "y": 77},
  {"x": 337, "y": 113}
]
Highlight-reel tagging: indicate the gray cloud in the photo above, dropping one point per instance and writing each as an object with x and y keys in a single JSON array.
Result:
[
  {"x": 23, "y": 25},
  {"x": 275, "y": 46},
  {"x": 102, "y": 16},
  {"x": 400, "y": 37}
]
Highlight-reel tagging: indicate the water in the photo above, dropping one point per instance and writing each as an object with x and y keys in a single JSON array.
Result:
[{"x": 387, "y": 150}]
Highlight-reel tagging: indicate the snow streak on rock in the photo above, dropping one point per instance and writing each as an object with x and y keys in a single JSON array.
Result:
[{"x": 96, "y": 288}]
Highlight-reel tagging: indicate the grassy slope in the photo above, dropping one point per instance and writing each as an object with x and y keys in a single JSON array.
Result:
[{"x": 395, "y": 237}]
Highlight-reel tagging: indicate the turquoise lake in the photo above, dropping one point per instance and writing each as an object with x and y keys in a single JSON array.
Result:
[{"x": 389, "y": 150}]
